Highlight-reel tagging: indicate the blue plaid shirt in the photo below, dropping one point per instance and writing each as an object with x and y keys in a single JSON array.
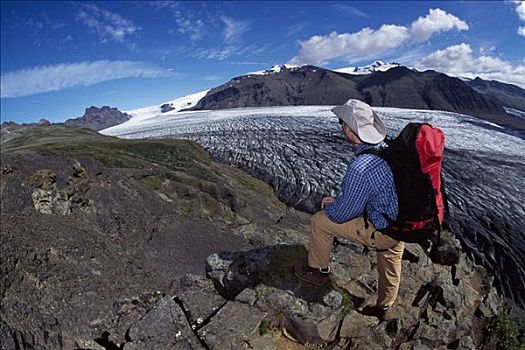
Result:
[{"x": 368, "y": 183}]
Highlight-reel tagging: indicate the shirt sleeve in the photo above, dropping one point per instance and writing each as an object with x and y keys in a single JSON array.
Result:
[{"x": 351, "y": 202}]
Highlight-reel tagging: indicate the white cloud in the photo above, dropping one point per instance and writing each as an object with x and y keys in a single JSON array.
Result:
[
  {"x": 436, "y": 21},
  {"x": 295, "y": 29},
  {"x": 349, "y": 10},
  {"x": 233, "y": 29},
  {"x": 39, "y": 79},
  {"x": 487, "y": 50},
  {"x": 108, "y": 25},
  {"x": 320, "y": 49},
  {"x": 368, "y": 42},
  {"x": 187, "y": 24},
  {"x": 185, "y": 19},
  {"x": 214, "y": 53},
  {"x": 458, "y": 60},
  {"x": 520, "y": 9}
]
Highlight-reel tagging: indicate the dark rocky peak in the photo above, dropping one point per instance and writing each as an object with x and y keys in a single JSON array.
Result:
[
  {"x": 99, "y": 118},
  {"x": 166, "y": 107},
  {"x": 43, "y": 122},
  {"x": 9, "y": 124},
  {"x": 386, "y": 77}
]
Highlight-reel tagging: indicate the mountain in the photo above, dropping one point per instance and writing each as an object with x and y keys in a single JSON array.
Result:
[
  {"x": 507, "y": 95},
  {"x": 99, "y": 118},
  {"x": 397, "y": 86},
  {"x": 148, "y": 244}
]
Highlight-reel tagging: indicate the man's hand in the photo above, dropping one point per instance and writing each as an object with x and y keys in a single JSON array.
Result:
[{"x": 327, "y": 200}]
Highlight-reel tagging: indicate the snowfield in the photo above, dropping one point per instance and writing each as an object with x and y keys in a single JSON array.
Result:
[
  {"x": 300, "y": 151},
  {"x": 141, "y": 114}
]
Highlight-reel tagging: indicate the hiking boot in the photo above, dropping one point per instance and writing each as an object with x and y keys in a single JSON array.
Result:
[
  {"x": 383, "y": 313},
  {"x": 312, "y": 275}
]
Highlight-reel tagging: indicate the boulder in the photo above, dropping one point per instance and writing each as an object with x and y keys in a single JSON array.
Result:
[
  {"x": 356, "y": 325},
  {"x": 198, "y": 298},
  {"x": 232, "y": 327},
  {"x": 163, "y": 327}
]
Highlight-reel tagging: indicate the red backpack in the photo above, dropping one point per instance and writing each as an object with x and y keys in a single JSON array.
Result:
[{"x": 415, "y": 157}]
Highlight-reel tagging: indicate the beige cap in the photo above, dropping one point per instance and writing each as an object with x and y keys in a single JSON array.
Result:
[{"x": 362, "y": 120}]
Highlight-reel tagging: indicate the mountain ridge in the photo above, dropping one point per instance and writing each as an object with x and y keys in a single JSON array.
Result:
[{"x": 398, "y": 86}]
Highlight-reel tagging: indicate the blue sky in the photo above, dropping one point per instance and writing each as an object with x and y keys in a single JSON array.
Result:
[{"x": 57, "y": 58}]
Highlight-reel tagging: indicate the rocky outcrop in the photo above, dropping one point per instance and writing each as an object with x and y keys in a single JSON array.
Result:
[
  {"x": 257, "y": 303},
  {"x": 166, "y": 107},
  {"x": 48, "y": 199},
  {"x": 396, "y": 87},
  {"x": 113, "y": 225},
  {"x": 99, "y": 118}
]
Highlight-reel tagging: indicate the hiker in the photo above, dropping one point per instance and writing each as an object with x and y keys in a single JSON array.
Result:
[{"x": 368, "y": 193}]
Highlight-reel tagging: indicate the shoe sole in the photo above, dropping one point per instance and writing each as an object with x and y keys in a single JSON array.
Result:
[{"x": 310, "y": 281}]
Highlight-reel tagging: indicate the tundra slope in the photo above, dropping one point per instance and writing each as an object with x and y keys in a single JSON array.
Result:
[{"x": 301, "y": 153}]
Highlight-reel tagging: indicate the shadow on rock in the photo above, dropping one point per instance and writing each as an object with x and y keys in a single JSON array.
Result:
[{"x": 272, "y": 266}]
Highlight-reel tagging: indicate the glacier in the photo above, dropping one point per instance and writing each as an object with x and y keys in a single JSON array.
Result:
[{"x": 301, "y": 153}]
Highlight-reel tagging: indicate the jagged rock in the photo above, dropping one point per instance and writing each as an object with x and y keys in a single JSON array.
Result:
[
  {"x": 358, "y": 344},
  {"x": 316, "y": 327},
  {"x": 356, "y": 325},
  {"x": 491, "y": 305},
  {"x": 49, "y": 199},
  {"x": 198, "y": 297},
  {"x": 247, "y": 296},
  {"x": 232, "y": 327},
  {"x": 163, "y": 327},
  {"x": 279, "y": 301},
  {"x": 466, "y": 343},
  {"x": 44, "y": 179},
  {"x": 266, "y": 342},
  {"x": 99, "y": 118},
  {"x": 231, "y": 273}
]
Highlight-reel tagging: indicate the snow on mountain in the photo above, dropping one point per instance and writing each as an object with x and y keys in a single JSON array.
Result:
[
  {"x": 275, "y": 69},
  {"x": 141, "y": 114},
  {"x": 515, "y": 112},
  {"x": 377, "y": 66}
]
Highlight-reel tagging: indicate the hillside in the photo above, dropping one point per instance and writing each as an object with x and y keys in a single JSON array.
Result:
[{"x": 110, "y": 243}]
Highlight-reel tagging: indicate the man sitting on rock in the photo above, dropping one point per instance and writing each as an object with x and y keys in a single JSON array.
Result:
[{"x": 367, "y": 193}]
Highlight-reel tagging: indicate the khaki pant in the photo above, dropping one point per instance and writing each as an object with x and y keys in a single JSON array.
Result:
[{"x": 389, "y": 251}]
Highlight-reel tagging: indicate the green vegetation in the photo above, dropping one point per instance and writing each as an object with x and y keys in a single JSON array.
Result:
[
  {"x": 183, "y": 169},
  {"x": 256, "y": 185},
  {"x": 175, "y": 155},
  {"x": 264, "y": 328},
  {"x": 152, "y": 182},
  {"x": 347, "y": 299},
  {"x": 506, "y": 333}
]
